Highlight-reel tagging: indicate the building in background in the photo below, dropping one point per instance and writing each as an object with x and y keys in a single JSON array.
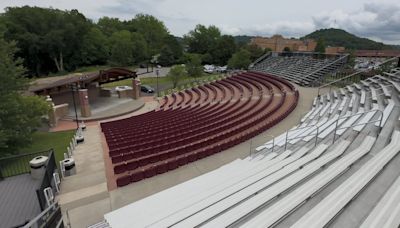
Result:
[{"x": 279, "y": 43}]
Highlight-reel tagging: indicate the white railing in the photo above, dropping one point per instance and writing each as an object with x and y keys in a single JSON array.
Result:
[{"x": 317, "y": 128}]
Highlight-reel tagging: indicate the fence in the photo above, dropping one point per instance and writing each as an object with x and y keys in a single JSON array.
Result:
[
  {"x": 18, "y": 164},
  {"x": 47, "y": 180},
  {"x": 345, "y": 78},
  {"x": 51, "y": 218}
]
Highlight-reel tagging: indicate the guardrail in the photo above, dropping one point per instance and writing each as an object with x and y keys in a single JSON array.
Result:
[
  {"x": 317, "y": 128},
  {"x": 342, "y": 58},
  {"x": 382, "y": 65},
  {"x": 18, "y": 164},
  {"x": 50, "y": 217}
]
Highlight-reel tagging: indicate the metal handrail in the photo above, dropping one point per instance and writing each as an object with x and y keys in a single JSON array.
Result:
[
  {"x": 319, "y": 69},
  {"x": 53, "y": 206},
  {"x": 336, "y": 122},
  {"x": 353, "y": 74}
]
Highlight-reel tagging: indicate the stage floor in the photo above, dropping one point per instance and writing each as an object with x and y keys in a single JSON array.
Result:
[{"x": 107, "y": 107}]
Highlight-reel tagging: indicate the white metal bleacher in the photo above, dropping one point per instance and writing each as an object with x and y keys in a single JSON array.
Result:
[
  {"x": 280, "y": 209},
  {"x": 331, "y": 205},
  {"x": 387, "y": 212}
]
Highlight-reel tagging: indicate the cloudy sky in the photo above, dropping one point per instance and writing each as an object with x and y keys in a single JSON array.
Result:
[{"x": 378, "y": 20}]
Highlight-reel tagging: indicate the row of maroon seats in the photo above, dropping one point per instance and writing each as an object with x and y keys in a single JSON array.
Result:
[
  {"x": 196, "y": 123},
  {"x": 174, "y": 162}
]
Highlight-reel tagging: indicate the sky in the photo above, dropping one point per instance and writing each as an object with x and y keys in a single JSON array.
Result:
[{"x": 377, "y": 20}]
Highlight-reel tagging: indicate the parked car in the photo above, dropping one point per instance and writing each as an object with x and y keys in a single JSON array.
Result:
[
  {"x": 146, "y": 89},
  {"x": 122, "y": 88}
]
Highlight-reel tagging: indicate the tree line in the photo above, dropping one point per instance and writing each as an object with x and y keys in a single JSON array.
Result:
[{"x": 52, "y": 40}]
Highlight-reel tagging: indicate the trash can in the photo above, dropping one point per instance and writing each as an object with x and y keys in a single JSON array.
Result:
[
  {"x": 38, "y": 166},
  {"x": 69, "y": 165},
  {"x": 79, "y": 138}
]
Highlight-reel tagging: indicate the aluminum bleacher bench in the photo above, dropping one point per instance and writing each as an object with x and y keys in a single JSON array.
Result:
[
  {"x": 332, "y": 204},
  {"x": 263, "y": 197},
  {"x": 284, "y": 206},
  {"x": 387, "y": 212},
  {"x": 386, "y": 113}
]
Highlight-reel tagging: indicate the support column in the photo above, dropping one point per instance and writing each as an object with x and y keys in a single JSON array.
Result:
[
  {"x": 135, "y": 89},
  {"x": 51, "y": 114},
  {"x": 84, "y": 103}
]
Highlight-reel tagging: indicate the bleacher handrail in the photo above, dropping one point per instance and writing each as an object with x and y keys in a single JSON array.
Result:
[
  {"x": 328, "y": 65},
  {"x": 287, "y": 138},
  {"x": 259, "y": 59},
  {"x": 353, "y": 74}
]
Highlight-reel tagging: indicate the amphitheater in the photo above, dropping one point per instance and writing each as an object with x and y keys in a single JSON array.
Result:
[{"x": 275, "y": 146}]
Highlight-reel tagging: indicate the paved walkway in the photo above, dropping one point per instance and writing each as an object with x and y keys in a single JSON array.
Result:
[{"x": 89, "y": 211}]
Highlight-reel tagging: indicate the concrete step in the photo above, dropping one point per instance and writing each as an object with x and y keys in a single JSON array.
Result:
[
  {"x": 83, "y": 196},
  {"x": 82, "y": 180}
]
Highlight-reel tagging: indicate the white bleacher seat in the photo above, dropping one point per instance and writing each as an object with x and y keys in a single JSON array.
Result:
[
  {"x": 342, "y": 91},
  {"x": 343, "y": 103},
  {"x": 357, "y": 86},
  {"x": 363, "y": 121},
  {"x": 349, "y": 122},
  {"x": 326, "y": 107},
  {"x": 350, "y": 88},
  {"x": 254, "y": 181},
  {"x": 386, "y": 113},
  {"x": 335, "y": 95},
  {"x": 332, "y": 204},
  {"x": 374, "y": 94},
  {"x": 387, "y": 212},
  {"x": 333, "y": 107},
  {"x": 363, "y": 97},
  {"x": 264, "y": 196},
  {"x": 274, "y": 213},
  {"x": 386, "y": 90}
]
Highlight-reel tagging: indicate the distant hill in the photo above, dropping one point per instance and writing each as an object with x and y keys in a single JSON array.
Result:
[
  {"x": 338, "y": 37},
  {"x": 242, "y": 39}
]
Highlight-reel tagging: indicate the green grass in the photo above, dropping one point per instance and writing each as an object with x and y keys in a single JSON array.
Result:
[
  {"x": 42, "y": 141},
  {"x": 152, "y": 81}
]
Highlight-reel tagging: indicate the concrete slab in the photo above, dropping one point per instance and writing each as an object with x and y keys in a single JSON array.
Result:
[{"x": 82, "y": 217}]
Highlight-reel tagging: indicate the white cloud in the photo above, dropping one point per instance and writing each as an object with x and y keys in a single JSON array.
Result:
[
  {"x": 286, "y": 28},
  {"x": 378, "y": 21}
]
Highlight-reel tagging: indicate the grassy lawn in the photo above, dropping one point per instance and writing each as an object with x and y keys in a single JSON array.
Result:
[
  {"x": 164, "y": 82},
  {"x": 42, "y": 141}
]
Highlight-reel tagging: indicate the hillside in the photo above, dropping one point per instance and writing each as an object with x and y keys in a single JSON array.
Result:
[{"x": 338, "y": 37}]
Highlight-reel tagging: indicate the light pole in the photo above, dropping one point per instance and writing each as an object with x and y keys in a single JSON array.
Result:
[
  {"x": 157, "y": 73},
  {"x": 73, "y": 88}
]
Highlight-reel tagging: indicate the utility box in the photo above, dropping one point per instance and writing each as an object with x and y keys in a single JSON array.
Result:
[{"x": 38, "y": 166}]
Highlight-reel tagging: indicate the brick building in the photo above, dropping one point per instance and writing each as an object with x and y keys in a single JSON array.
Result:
[{"x": 278, "y": 43}]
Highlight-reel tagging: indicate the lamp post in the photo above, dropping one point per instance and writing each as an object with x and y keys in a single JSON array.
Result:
[
  {"x": 157, "y": 73},
  {"x": 73, "y": 88}
]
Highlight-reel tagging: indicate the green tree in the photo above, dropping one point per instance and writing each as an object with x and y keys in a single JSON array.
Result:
[
  {"x": 202, "y": 39},
  {"x": 287, "y": 49},
  {"x": 110, "y": 25},
  {"x": 176, "y": 74},
  {"x": 121, "y": 48},
  {"x": 320, "y": 46},
  {"x": 152, "y": 30},
  {"x": 171, "y": 52},
  {"x": 240, "y": 60},
  {"x": 19, "y": 115},
  {"x": 255, "y": 51},
  {"x": 193, "y": 65},
  {"x": 48, "y": 39},
  {"x": 223, "y": 50},
  {"x": 95, "y": 48}
]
